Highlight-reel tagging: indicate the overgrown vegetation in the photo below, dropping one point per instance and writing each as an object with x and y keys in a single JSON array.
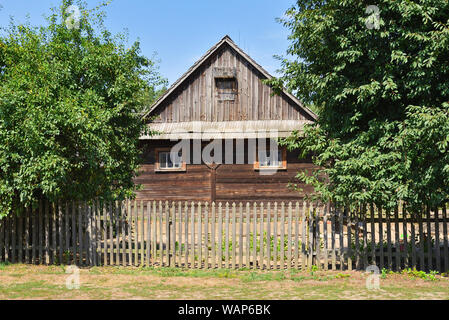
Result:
[
  {"x": 70, "y": 105},
  {"x": 377, "y": 83}
]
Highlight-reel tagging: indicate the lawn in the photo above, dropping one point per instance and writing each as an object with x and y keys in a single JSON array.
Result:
[{"x": 49, "y": 282}]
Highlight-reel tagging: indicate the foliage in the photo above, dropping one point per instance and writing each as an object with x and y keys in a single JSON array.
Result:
[
  {"x": 70, "y": 104},
  {"x": 382, "y": 98}
]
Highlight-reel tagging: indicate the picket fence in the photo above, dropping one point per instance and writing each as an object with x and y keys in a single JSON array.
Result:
[{"x": 223, "y": 235}]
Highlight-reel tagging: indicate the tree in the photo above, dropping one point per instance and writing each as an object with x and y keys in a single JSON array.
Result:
[
  {"x": 71, "y": 94},
  {"x": 378, "y": 78}
]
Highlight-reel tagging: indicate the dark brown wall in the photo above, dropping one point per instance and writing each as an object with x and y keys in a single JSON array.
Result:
[{"x": 234, "y": 182}]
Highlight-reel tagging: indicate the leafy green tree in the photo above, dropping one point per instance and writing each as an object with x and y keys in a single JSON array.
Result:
[
  {"x": 71, "y": 95},
  {"x": 378, "y": 77}
]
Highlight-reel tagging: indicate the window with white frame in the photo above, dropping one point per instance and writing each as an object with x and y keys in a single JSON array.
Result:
[
  {"x": 166, "y": 160},
  {"x": 269, "y": 159}
]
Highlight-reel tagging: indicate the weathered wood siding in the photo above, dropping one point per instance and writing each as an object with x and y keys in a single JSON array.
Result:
[
  {"x": 234, "y": 182},
  {"x": 195, "y": 99}
]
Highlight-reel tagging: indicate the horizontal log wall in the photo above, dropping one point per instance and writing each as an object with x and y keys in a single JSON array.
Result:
[{"x": 223, "y": 235}]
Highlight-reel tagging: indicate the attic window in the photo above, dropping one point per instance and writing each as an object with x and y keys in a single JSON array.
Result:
[{"x": 226, "y": 88}]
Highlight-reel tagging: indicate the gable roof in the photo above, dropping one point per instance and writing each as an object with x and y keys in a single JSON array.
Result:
[{"x": 209, "y": 53}]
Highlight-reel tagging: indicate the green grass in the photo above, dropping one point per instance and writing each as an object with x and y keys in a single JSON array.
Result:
[{"x": 39, "y": 282}]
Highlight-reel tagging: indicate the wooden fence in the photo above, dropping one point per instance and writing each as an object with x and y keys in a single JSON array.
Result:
[{"x": 222, "y": 235}]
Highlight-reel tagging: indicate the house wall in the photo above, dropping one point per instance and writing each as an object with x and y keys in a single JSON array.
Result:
[
  {"x": 196, "y": 98},
  {"x": 234, "y": 182}
]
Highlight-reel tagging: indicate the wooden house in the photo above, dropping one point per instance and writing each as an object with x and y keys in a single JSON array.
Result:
[{"x": 222, "y": 101}]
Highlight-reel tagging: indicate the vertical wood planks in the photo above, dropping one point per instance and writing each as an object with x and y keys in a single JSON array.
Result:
[
  {"x": 310, "y": 240},
  {"x": 289, "y": 237},
  {"x": 234, "y": 242},
  {"x": 412, "y": 240},
  {"x": 269, "y": 236},
  {"x": 142, "y": 234},
  {"x": 282, "y": 253},
  {"x": 240, "y": 235},
  {"x": 397, "y": 240},
  {"x": 261, "y": 237},
  {"x": 297, "y": 235},
  {"x": 437, "y": 240},
  {"x": 213, "y": 236},
  {"x": 429, "y": 241},
  {"x": 390, "y": 260},
  {"x": 255, "y": 236},
  {"x": 192, "y": 235},
  {"x": 220, "y": 235},
  {"x": 303, "y": 237},
  {"x": 421, "y": 243},
  {"x": 200, "y": 236},
  {"x": 381, "y": 236},
  {"x": 349, "y": 235},
  {"x": 206, "y": 235},
  {"x": 275, "y": 236},
  {"x": 326, "y": 244},
  {"x": 406, "y": 258},
  {"x": 248, "y": 237},
  {"x": 446, "y": 242},
  {"x": 342, "y": 249}
]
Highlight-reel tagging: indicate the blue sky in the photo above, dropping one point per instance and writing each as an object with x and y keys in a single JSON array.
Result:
[{"x": 181, "y": 31}]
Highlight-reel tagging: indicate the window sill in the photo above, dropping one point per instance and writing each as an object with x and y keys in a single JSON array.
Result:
[
  {"x": 169, "y": 170},
  {"x": 271, "y": 169}
]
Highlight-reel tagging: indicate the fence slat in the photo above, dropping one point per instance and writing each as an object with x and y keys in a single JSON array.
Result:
[
  {"x": 206, "y": 236},
  {"x": 429, "y": 241},
  {"x": 397, "y": 240},
  {"x": 289, "y": 237},
  {"x": 405, "y": 255},
  {"x": 373, "y": 236},
  {"x": 304, "y": 240},
  {"x": 192, "y": 235},
  {"x": 297, "y": 235},
  {"x": 213, "y": 235},
  {"x": 412, "y": 240},
  {"x": 317, "y": 237},
  {"x": 173, "y": 234},
  {"x": 220, "y": 235},
  {"x": 7, "y": 237},
  {"x": 200, "y": 236},
  {"x": 365, "y": 237},
  {"x": 381, "y": 236},
  {"x": 349, "y": 236},
  {"x": 234, "y": 242},
  {"x": 248, "y": 235},
  {"x": 20, "y": 237},
  {"x": 27, "y": 234},
  {"x": 389, "y": 255},
  {"x": 326, "y": 244},
  {"x": 446, "y": 242},
  {"x": 261, "y": 238},
  {"x": 255, "y": 236},
  {"x": 437, "y": 240},
  {"x": 282, "y": 253},
  {"x": 269, "y": 236},
  {"x": 342, "y": 249},
  {"x": 186, "y": 235},
  {"x": 180, "y": 234},
  {"x": 142, "y": 234},
  {"x": 240, "y": 235},
  {"x": 310, "y": 239},
  {"x": 275, "y": 236},
  {"x": 2, "y": 237}
]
